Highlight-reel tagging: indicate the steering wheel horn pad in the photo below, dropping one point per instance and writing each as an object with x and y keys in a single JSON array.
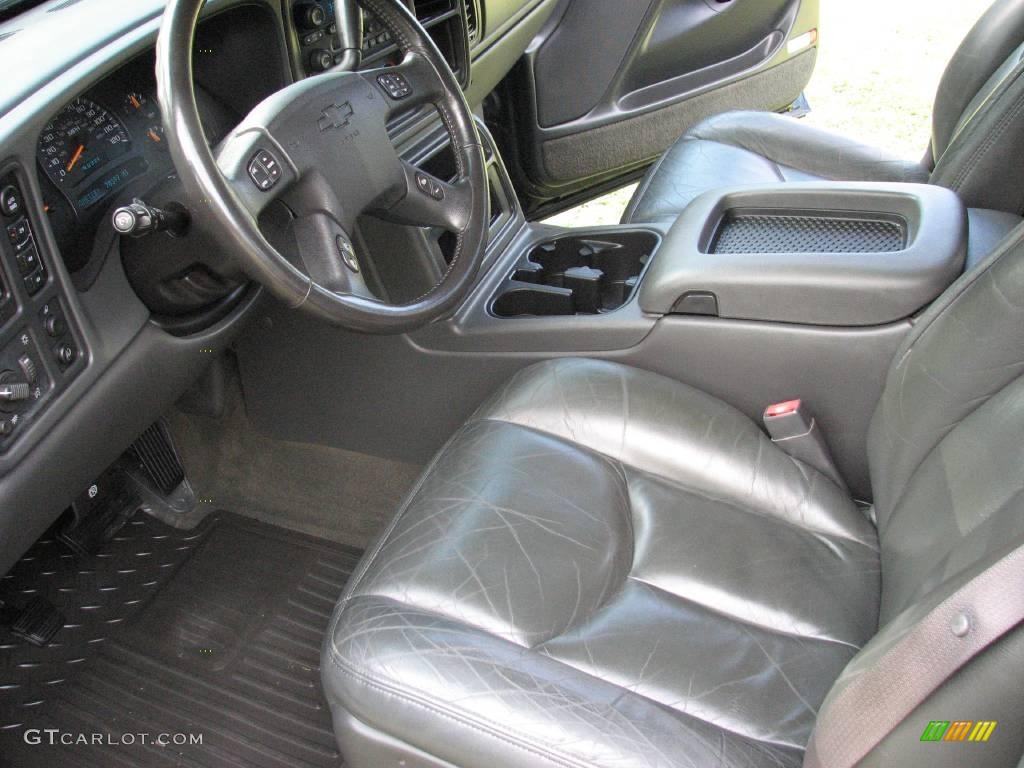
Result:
[{"x": 322, "y": 148}]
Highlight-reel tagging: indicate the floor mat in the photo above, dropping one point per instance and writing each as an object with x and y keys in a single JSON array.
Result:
[{"x": 213, "y": 634}]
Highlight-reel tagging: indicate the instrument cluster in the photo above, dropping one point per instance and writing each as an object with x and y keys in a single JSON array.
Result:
[{"x": 97, "y": 147}]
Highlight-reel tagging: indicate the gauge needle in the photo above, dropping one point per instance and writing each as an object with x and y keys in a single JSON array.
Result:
[
  {"x": 135, "y": 101},
  {"x": 77, "y": 157},
  {"x": 154, "y": 135}
]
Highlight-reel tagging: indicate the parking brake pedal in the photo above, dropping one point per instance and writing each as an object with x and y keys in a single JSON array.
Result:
[
  {"x": 37, "y": 623},
  {"x": 100, "y": 512}
]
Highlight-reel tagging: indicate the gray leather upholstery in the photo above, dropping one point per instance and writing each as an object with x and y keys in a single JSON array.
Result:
[
  {"x": 978, "y": 137},
  {"x": 606, "y": 567},
  {"x": 591, "y": 571}
]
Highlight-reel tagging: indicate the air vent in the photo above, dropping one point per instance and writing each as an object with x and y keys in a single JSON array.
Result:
[
  {"x": 5, "y": 35},
  {"x": 472, "y": 21},
  {"x": 431, "y": 9}
]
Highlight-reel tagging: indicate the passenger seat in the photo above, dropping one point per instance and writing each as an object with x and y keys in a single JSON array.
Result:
[{"x": 977, "y": 142}]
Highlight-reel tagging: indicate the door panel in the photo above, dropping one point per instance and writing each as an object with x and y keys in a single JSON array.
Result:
[{"x": 609, "y": 85}]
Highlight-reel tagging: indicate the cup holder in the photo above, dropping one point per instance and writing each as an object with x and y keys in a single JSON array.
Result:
[{"x": 576, "y": 275}]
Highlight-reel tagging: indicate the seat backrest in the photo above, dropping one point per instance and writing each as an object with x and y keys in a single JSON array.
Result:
[
  {"x": 978, "y": 119},
  {"x": 946, "y": 449}
]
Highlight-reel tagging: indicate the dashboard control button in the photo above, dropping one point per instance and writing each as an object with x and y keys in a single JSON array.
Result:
[
  {"x": 10, "y": 201},
  {"x": 28, "y": 261},
  {"x": 395, "y": 85},
  {"x": 321, "y": 60},
  {"x": 65, "y": 354},
  {"x": 313, "y": 37},
  {"x": 6, "y": 427},
  {"x": 35, "y": 282},
  {"x": 19, "y": 233},
  {"x": 55, "y": 326},
  {"x": 310, "y": 15},
  {"x": 28, "y": 368}
]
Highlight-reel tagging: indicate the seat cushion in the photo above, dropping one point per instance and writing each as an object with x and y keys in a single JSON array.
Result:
[
  {"x": 603, "y": 567},
  {"x": 758, "y": 148}
]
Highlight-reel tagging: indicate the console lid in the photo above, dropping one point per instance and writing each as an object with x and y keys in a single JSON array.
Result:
[{"x": 820, "y": 253}]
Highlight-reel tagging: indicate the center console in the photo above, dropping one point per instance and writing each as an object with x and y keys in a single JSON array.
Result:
[{"x": 833, "y": 254}]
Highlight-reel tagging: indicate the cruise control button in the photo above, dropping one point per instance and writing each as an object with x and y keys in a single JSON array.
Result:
[{"x": 10, "y": 201}]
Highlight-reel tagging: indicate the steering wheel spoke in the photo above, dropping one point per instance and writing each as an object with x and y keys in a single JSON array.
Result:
[
  {"x": 256, "y": 169},
  {"x": 412, "y": 83},
  {"x": 430, "y": 202}
]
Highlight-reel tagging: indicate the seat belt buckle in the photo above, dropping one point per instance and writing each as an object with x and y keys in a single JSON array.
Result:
[{"x": 794, "y": 429}]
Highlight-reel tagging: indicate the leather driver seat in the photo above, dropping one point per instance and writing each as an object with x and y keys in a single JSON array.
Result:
[
  {"x": 977, "y": 139},
  {"x": 606, "y": 567}
]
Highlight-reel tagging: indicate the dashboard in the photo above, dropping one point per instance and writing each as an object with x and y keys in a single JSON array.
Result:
[{"x": 91, "y": 350}]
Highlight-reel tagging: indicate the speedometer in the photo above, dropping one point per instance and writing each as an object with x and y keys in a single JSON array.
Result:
[{"x": 79, "y": 141}]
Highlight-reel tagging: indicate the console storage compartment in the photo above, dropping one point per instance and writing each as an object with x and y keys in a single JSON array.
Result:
[
  {"x": 576, "y": 274},
  {"x": 828, "y": 253}
]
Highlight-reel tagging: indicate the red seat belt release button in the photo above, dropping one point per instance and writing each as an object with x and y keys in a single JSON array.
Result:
[{"x": 794, "y": 429}]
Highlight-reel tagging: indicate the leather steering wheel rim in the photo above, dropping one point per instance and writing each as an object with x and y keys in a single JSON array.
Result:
[{"x": 310, "y": 129}]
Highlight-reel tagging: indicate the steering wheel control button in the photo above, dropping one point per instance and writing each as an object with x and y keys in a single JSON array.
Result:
[
  {"x": 10, "y": 201},
  {"x": 395, "y": 85},
  {"x": 264, "y": 170},
  {"x": 347, "y": 253},
  {"x": 429, "y": 187}
]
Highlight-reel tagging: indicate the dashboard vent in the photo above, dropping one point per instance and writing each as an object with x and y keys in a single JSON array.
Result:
[
  {"x": 5, "y": 35},
  {"x": 472, "y": 21},
  {"x": 431, "y": 9}
]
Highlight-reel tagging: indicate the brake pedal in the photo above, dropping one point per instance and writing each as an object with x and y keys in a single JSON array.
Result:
[{"x": 37, "y": 623}]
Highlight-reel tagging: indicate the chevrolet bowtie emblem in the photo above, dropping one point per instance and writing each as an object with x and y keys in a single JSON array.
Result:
[{"x": 336, "y": 116}]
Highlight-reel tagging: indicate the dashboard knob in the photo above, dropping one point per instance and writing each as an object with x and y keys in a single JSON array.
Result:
[
  {"x": 12, "y": 390},
  {"x": 55, "y": 326},
  {"x": 321, "y": 60},
  {"x": 310, "y": 15}
]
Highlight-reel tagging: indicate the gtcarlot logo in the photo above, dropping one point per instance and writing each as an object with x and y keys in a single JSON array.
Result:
[{"x": 55, "y": 736}]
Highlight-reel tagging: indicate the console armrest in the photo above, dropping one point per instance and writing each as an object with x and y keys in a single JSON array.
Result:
[{"x": 822, "y": 253}]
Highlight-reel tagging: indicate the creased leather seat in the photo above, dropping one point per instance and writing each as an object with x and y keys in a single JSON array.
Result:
[
  {"x": 596, "y": 554},
  {"x": 606, "y": 567},
  {"x": 977, "y": 138}
]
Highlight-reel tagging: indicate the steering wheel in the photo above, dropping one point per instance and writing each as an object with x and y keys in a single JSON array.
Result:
[{"x": 321, "y": 147}]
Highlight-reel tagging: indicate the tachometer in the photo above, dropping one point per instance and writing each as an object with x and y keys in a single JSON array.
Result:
[{"x": 81, "y": 140}]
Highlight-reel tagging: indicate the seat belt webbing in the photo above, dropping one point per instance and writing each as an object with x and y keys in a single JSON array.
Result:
[{"x": 954, "y": 632}]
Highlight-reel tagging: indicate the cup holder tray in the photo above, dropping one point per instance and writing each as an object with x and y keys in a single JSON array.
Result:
[{"x": 576, "y": 275}]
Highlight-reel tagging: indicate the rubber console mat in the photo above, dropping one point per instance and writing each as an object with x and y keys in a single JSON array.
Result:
[{"x": 214, "y": 633}]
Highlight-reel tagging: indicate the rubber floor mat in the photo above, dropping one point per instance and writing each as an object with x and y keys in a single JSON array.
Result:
[{"x": 197, "y": 648}]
